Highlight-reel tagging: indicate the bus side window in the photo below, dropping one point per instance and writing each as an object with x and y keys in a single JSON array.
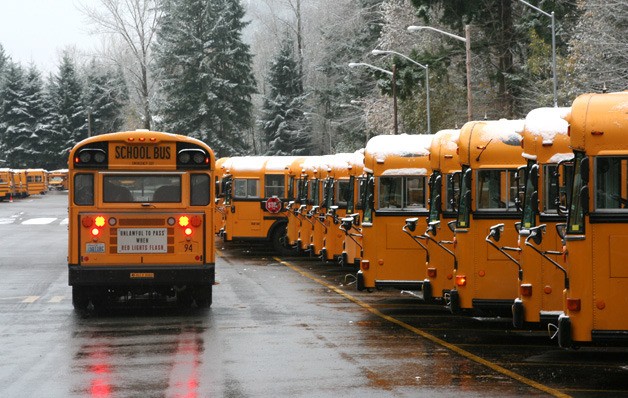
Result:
[
  {"x": 84, "y": 189},
  {"x": 199, "y": 190}
]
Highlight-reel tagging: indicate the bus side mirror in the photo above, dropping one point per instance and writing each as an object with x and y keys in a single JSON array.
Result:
[
  {"x": 452, "y": 225},
  {"x": 561, "y": 230},
  {"x": 536, "y": 234},
  {"x": 346, "y": 223},
  {"x": 496, "y": 232},
  {"x": 432, "y": 227},
  {"x": 411, "y": 223}
]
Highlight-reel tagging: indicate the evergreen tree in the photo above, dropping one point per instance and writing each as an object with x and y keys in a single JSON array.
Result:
[
  {"x": 105, "y": 97},
  {"x": 69, "y": 116},
  {"x": 283, "y": 121},
  {"x": 15, "y": 128},
  {"x": 205, "y": 72},
  {"x": 36, "y": 108}
]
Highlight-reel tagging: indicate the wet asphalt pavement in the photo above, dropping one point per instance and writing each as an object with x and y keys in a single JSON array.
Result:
[{"x": 290, "y": 327}]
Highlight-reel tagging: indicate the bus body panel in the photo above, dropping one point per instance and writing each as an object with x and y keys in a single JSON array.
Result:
[
  {"x": 400, "y": 166},
  {"x": 594, "y": 306}
]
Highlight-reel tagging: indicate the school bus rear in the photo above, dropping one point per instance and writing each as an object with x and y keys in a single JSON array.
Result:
[
  {"x": 6, "y": 183},
  {"x": 141, "y": 217},
  {"x": 490, "y": 153},
  {"x": 595, "y": 307}
]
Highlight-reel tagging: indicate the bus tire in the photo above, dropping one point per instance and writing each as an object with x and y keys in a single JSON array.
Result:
[
  {"x": 80, "y": 298},
  {"x": 203, "y": 296},
  {"x": 278, "y": 240},
  {"x": 184, "y": 298}
]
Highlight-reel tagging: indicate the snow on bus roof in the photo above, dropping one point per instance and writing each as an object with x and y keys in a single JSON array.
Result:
[
  {"x": 505, "y": 130},
  {"x": 452, "y": 134},
  {"x": 279, "y": 163},
  {"x": 547, "y": 123},
  {"x": 246, "y": 163},
  {"x": 402, "y": 145},
  {"x": 344, "y": 160},
  {"x": 316, "y": 163}
]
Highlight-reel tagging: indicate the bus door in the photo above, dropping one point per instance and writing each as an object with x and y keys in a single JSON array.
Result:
[{"x": 246, "y": 208}]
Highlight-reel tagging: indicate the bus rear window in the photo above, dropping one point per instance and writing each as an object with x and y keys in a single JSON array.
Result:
[{"x": 143, "y": 188}]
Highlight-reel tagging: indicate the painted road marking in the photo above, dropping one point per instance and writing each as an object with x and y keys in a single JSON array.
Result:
[
  {"x": 30, "y": 299},
  {"x": 56, "y": 299},
  {"x": 434, "y": 339},
  {"x": 39, "y": 221}
]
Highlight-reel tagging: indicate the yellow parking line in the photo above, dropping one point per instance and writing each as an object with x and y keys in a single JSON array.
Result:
[{"x": 428, "y": 336}]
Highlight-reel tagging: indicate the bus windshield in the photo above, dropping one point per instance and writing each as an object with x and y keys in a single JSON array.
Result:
[{"x": 133, "y": 188}]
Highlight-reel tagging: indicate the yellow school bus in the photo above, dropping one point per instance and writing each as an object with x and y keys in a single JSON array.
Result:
[
  {"x": 295, "y": 206},
  {"x": 595, "y": 309},
  {"x": 6, "y": 184},
  {"x": 58, "y": 180},
  {"x": 220, "y": 214},
  {"x": 443, "y": 184},
  {"x": 350, "y": 224},
  {"x": 546, "y": 148},
  {"x": 337, "y": 202},
  {"x": 490, "y": 153},
  {"x": 20, "y": 183},
  {"x": 254, "y": 199},
  {"x": 37, "y": 180},
  {"x": 397, "y": 167},
  {"x": 141, "y": 218}
]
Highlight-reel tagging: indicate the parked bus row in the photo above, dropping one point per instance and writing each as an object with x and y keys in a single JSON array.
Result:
[
  {"x": 523, "y": 218},
  {"x": 20, "y": 183}
]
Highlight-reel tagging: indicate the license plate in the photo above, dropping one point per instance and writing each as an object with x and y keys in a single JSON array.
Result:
[
  {"x": 94, "y": 248},
  {"x": 142, "y": 275}
]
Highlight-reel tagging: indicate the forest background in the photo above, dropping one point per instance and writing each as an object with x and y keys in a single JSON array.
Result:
[{"x": 273, "y": 77}]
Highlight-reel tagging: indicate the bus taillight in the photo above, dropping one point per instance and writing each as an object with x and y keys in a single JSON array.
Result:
[
  {"x": 573, "y": 304},
  {"x": 95, "y": 232},
  {"x": 184, "y": 221},
  {"x": 188, "y": 231},
  {"x": 87, "y": 221},
  {"x": 461, "y": 280},
  {"x": 196, "y": 221},
  {"x": 100, "y": 221}
]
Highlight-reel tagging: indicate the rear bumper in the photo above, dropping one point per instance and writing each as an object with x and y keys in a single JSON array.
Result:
[{"x": 141, "y": 276}]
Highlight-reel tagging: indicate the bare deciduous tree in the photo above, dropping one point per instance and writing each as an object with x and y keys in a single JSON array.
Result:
[{"x": 134, "y": 22}]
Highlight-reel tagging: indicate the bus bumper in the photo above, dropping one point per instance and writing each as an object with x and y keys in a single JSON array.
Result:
[{"x": 137, "y": 276}]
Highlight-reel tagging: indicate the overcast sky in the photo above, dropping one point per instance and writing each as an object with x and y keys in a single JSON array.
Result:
[{"x": 38, "y": 30}]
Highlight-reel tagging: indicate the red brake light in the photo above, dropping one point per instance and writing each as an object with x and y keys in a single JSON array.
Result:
[
  {"x": 87, "y": 222},
  {"x": 196, "y": 221},
  {"x": 573, "y": 304},
  {"x": 461, "y": 280}
]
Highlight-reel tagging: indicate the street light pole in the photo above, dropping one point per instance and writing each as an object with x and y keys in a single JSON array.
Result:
[
  {"x": 427, "y": 79},
  {"x": 467, "y": 41},
  {"x": 394, "y": 87},
  {"x": 551, "y": 16}
]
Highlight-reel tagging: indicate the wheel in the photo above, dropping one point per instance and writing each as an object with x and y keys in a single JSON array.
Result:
[
  {"x": 278, "y": 240},
  {"x": 203, "y": 296},
  {"x": 80, "y": 298}
]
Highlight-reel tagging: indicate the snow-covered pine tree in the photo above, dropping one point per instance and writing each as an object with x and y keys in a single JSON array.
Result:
[
  {"x": 205, "y": 73},
  {"x": 105, "y": 97},
  {"x": 283, "y": 120},
  {"x": 15, "y": 129},
  {"x": 37, "y": 110},
  {"x": 69, "y": 116}
]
